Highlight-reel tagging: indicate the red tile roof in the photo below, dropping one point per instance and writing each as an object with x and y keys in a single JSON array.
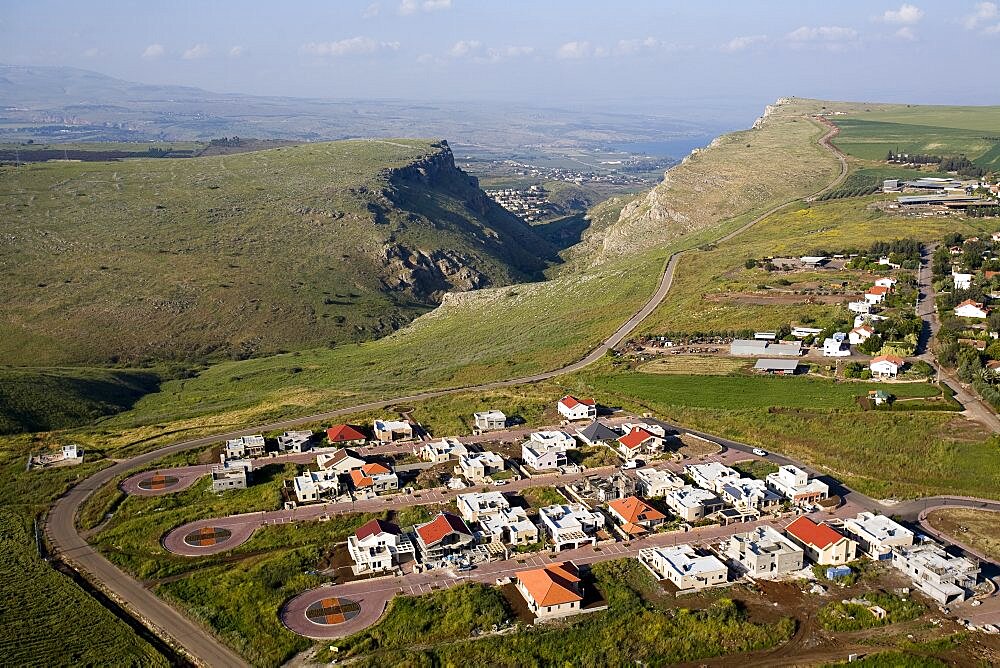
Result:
[
  {"x": 363, "y": 477},
  {"x": 877, "y": 290},
  {"x": 374, "y": 469},
  {"x": 555, "y": 584},
  {"x": 569, "y": 401},
  {"x": 441, "y": 526},
  {"x": 635, "y": 438},
  {"x": 375, "y": 527},
  {"x": 340, "y": 433},
  {"x": 898, "y": 361},
  {"x": 819, "y": 536},
  {"x": 969, "y": 302},
  {"x": 634, "y": 510}
]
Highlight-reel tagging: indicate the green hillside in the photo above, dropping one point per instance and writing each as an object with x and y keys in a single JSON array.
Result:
[
  {"x": 243, "y": 255},
  {"x": 47, "y": 399},
  {"x": 944, "y": 131}
]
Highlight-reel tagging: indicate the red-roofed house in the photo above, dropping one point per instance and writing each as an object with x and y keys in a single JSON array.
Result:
[
  {"x": 885, "y": 366},
  {"x": 378, "y": 546},
  {"x": 553, "y": 591},
  {"x": 638, "y": 440},
  {"x": 971, "y": 309},
  {"x": 860, "y": 334},
  {"x": 443, "y": 535},
  {"x": 822, "y": 544},
  {"x": 344, "y": 435},
  {"x": 572, "y": 408},
  {"x": 374, "y": 477},
  {"x": 635, "y": 516},
  {"x": 876, "y": 294}
]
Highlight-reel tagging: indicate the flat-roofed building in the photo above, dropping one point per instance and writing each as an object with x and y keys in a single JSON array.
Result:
[
  {"x": 877, "y": 535},
  {"x": 245, "y": 446},
  {"x": 571, "y": 525},
  {"x": 945, "y": 578},
  {"x": 491, "y": 420},
  {"x": 684, "y": 567},
  {"x": 295, "y": 441},
  {"x": 794, "y": 484},
  {"x": 764, "y": 552},
  {"x": 392, "y": 430},
  {"x": 693, "y": 503},
  {"x": 657, "y": 482},
  {"x": 711, "y": 476}
]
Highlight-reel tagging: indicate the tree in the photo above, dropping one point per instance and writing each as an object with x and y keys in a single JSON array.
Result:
[
  {"x": 750, "y": 263},
  {"x": 993, "y": 350},
  {"x": 872, "y": 345}
]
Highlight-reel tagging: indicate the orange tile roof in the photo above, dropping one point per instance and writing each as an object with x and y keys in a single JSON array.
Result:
[
  {"x": 441, "y": 526},
  {"x": 374, "y": 469},
  {"x": 819, "y": 536},
  {"x": 635, "y": 438},
  {"x": 555, "y": 584},
  {"x": 634, "y": 510},
  {"x": 969, "y": 302},
  {"x": 898, "y": 361},
  {"x": 340, "y": 433},
  {"x": 360, "y": 479},
  {"x": 878, "y": 290}
]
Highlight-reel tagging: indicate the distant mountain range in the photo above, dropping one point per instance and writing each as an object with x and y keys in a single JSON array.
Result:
[{"x": 69, "y": 104}]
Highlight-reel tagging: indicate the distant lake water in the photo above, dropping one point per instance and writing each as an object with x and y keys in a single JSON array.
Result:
[{"x": 667, "y": 148}]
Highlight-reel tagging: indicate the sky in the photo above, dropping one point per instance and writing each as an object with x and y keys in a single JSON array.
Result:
[{"x": 629, "y": 55}]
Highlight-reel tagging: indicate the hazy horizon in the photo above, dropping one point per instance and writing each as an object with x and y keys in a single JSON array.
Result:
[{"x": 636, "y": 57}]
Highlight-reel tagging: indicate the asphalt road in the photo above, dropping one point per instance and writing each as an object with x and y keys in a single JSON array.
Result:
[{"x": 195, "y": 639}]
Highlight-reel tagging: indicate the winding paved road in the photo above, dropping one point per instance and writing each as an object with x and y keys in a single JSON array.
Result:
[{"x": 195, "y": 639}]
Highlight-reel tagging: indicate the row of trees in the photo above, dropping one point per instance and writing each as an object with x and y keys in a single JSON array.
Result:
[{"x": 958, "y": 163}]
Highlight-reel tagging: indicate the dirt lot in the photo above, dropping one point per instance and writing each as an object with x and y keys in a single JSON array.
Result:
[
  {"x": 695, "y": 447},
  {"x": 975, "y": 528}
]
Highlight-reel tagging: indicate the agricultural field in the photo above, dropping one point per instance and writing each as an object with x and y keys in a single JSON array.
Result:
[
  {"x": 714, "y": 291},
  {"x": 694, "y": 365},
  {"x": 41, "y": 612},
  {"x": 975, "y": 528},
  {"x": 945, "y": 131}
]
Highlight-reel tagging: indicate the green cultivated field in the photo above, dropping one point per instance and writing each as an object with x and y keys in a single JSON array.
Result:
[
  {"x": 945, "y": 131},
  {"x": 46, "y": 620}
]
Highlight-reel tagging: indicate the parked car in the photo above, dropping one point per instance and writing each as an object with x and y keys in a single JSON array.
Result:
[
  {"x": 759, "y": 452},
  {"x": 498, "y": 483},
  {"x": 630, "y": 464}
]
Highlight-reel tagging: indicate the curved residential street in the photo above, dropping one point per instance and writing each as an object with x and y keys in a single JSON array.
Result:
[{"x": 197, "y": 640}]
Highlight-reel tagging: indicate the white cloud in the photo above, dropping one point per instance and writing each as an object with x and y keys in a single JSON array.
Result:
[
  {"x": 906, "y": 14},
  {"x": 986, "y": 13},
  {"x": 353, "y": 46},
  {"x": 574, "y": 50},
  {"x": 371, "y": 11},
  {"x": 743, "y": 42},
  {"x": 92, "y": 52},
  {"x": 906, "y": 32},
  {"x": 407, "y": 7},
  {"x": 154, "y": 51},
  {"x": 513, "y": 51},
  {"x": 629, "y": 46},
  {"x": 823, "y": 34},
  {"x": 464, "y": 48},
  {"x": 195, "y": 52},
  {"x": 237, "y": 51}
]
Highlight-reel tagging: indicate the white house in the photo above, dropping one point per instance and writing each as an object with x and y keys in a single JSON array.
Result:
[
  {"x": 692, "y": 503},
  {"x": 656, "y": 482},
  {"x": 245, "y": 446},
  {"x": 543, "y": 457},
  {"x": 860, "y": 334},
  {"x": 836, "y": 346},
  {"x": 315, "y": 485},
  {"x": 765, "y": 552},
  {"x": 571, "y": 524},
  {"x": 509, "y": 525},
  {"x": 638, "y": 440},
  {"x": 876, "y": 294},
  {"x": 597, "y": 433},
  {"x": 711, "y": 476},
  {"x": 859, "y": 307},
  {"x": 342, "y": 461},
  {"x": 378, "y": 546},
  {"x": 551, "y": 592},
  {"x": 749, "y": 494},
  {"x": 230, "y": 474},
  {"x": 794, "y": 484},
  {"x": 475, "y": 504},
  {"x": 823, "y": 544},
  {"x": 572, "y": 408},
  {"x": 945, "y": 578},
  {"x": 877, "y": 535},
  {"x": 388, "y": 431},
  {"x": 885, "y": 366},
  {"x": 962, "y": 281},
  {"x": 971, "y": 309},
  {"x": 886, "y": 282},
  {"x": 374, "y": 478},
  {"x": 72, "y": 451},
  {"x": 684, "y": 567}
]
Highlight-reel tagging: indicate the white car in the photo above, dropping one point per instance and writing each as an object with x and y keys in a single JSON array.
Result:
[
  {"x": 499, "y": 483},
  {"x": 630, "y": 464},
  {"x": 759, "y": 452}
]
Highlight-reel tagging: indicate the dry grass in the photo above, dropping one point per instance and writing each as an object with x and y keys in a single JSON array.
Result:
[
  {"x": 694, "y": 365},
  {"x": 975, "y": 528}
]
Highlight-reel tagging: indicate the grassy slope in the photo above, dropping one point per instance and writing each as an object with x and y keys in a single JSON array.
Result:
[
  {"x": 238, "y": 255},
  {"x": 48, "y": 399},
  {"x": 945, "y": 131}
]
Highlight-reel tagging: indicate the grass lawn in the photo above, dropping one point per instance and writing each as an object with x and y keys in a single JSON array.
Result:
[{"x": 975, "y": 528}]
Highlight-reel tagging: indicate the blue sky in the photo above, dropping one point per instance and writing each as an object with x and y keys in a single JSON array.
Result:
[{"x": 622, "y": 55}]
